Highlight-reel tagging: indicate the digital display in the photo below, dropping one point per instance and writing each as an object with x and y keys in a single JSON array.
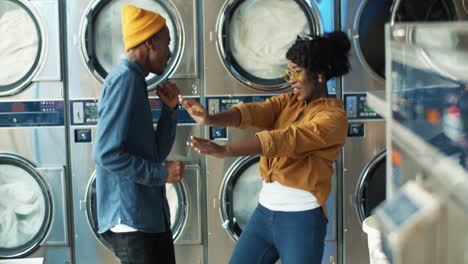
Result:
[
  {"x": 366, "y": 108},
  {"x": 227, "y": 103},
  {"x": 36, "y": 113},
  {"x": 357, "y": 107},
  {"x": 91, "y": 111}
]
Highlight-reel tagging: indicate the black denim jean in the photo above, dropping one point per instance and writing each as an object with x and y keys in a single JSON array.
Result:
[{"x": 143, "y": 248}]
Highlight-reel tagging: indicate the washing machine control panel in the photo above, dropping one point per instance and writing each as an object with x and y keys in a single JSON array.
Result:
[
  {"x": 32, "y": 114},
  {"x": 85, "y": 112},
  {"x": 357, "y": 108},
  {"x": 222, "y": 103}
]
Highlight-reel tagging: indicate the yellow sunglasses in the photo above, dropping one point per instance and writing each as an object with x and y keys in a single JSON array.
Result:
[{"x": 292, "y": 75}]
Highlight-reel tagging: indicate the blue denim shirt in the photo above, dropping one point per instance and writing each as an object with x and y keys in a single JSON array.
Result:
[{"x": 130, "y": 176}]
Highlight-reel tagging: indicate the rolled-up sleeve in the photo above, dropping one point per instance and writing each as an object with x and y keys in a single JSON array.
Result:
[
  {"x": 260, "y": 115},
  {"x": 325, "y": 129}
]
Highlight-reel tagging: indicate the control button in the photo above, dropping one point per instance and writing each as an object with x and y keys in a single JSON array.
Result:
[
  {"x": 356, "y": 130},
  {"x": 82, "y": 135},
  {"x": 218, "y": 133}
]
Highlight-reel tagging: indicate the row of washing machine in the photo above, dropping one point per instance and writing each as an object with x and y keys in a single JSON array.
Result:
[{"x": 55, "y": 55}]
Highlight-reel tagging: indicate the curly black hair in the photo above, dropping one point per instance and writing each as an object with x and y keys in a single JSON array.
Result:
[{"x": 326, "y": 54}]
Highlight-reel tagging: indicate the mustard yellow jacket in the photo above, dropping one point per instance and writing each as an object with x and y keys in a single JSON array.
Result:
[{"x": 299, "y": 140}]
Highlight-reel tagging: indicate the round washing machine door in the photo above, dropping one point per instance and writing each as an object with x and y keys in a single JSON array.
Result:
[
  {"x": 370, "y": 30},
  {"x": 239, "y": 194},
  {"x": 25, "y": 207},
  {"x": 102, "y": 46},
  {"x": 371, "y": 186},
  {"x": 254, "y": 36},
  {"x": 436, "y": 47},
  {"x": 22, "y": 49},
  {"x": 177, "y": 198},
  {"x": 405, "y": 11},
  {"x": 373, "y": 14}
]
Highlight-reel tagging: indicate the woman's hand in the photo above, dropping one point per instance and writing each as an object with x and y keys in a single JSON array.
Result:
[
  {"x": 207, "y": 147},
  {"x": 168, "y": 93},
  {"x": 195, "y": 110}
]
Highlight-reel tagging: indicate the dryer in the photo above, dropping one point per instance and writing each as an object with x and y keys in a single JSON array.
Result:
[
  {"x": 30, "y": 50},
  {"x": 184, "y": 198},
  {"x": 33, "y": 176},
  {"x": 33, "y": 183},
  {"x": 95, "y": 46},
  {"x": 244, "y": 56},
  {"x": 364, "y": 159}
]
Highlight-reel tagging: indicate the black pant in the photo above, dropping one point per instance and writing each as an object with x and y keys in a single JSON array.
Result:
[{"x": 143, "y": 248}]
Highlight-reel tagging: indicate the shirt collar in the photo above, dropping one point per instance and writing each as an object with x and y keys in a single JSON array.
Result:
[{"x": 134, "y": 66}]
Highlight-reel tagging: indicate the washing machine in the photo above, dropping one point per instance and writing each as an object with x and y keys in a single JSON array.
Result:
[
  {"x": 33, "y": 183},
  {"x": 245, "y": 43},
  {"x": 364, "y": 175},
  {"x": 184, "y": 198},
  {"x": 30, "y": 50},
  {"x": 364, "y": 159},
  {"x": 95, "y": 46},
  {"x": 33, "y": 176}
]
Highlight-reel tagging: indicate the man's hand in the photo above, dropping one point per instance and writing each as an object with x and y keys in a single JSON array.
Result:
[
  {"x": 175, "y": 171},
  {"x": 168, "y": 93},
  {"x": 207, "y": 147},
  {"x": 195, "y": 110}
]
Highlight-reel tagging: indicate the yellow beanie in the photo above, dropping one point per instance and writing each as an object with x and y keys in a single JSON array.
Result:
[{"x": 139, "y": 25}]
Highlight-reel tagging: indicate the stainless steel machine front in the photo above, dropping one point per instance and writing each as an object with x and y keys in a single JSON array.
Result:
[
  {"x": 364, "y": 176},
  {"x": 34, "y": 206},
  {"x": 364, "y": 22},
  {"x": 364, "y": 152},
  {"x": 30, "y": 50},
  {"x": 95, "y": 46},
  {"x": 245, "y": 43},
  {"x": 184, "y": 198},
  {"x": 95, "y": 43},
  {"x": 33, "y": 179}
]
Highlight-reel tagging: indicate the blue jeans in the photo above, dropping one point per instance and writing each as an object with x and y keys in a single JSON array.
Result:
[{"x": 293, "y": 237}]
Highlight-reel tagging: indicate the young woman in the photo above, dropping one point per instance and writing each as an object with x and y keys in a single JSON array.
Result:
[{"x": 302, "y": 134}]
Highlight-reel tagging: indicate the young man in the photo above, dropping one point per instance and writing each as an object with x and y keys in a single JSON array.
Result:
[{"x": 131, "y": 171}]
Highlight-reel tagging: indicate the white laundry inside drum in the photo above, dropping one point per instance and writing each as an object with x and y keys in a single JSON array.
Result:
[
  {"x": 22, "y": 207},
  {"x": 20, "y": 43},
  {"x": 262, "y": 31},
  {"x": 108, "y": 31},
  {"x": 173, "y": 200},
  {"x": 245, "y": 194}
]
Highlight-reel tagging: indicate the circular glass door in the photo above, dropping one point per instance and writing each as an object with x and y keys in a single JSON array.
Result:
[
  {"x": 22, "y": 47},
  {"x": 254, "y": 36},
  {"x": 371, "y": 186},
  {"x": 371, "y": 32},
  {"x": 420, "y": 10},
  {"x": 176, "y": 195},
  {"x": 101, "y": 36},
  {"x": 239, "y": 194},
  {"x": 446, "y": 63},
  {"x": 25, "y": 207}
]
